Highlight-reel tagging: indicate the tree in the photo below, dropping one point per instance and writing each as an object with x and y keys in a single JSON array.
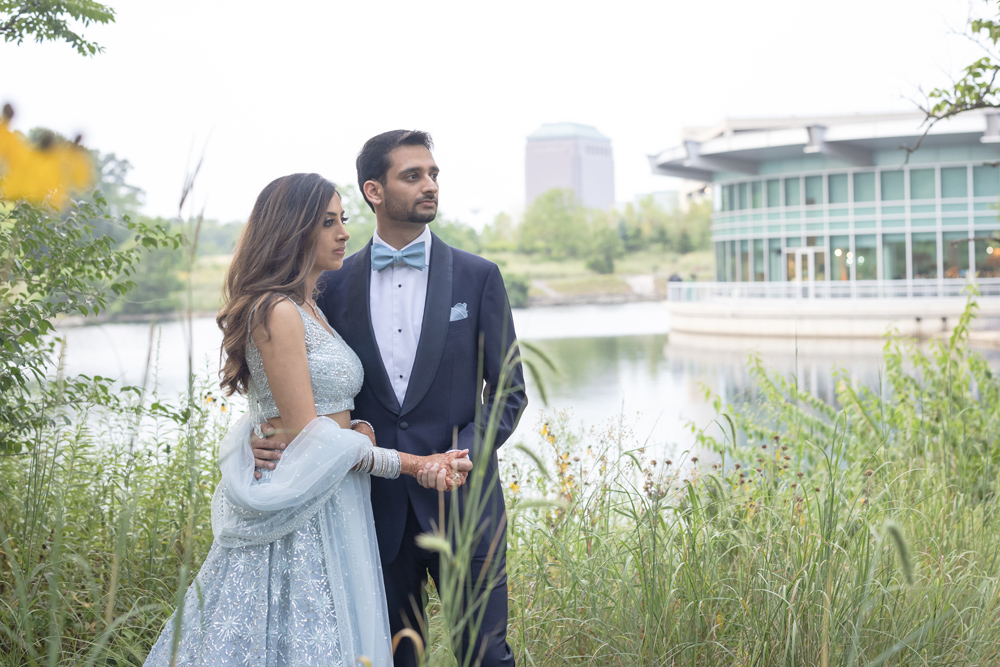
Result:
[
  {"x": 644, "y": 223},
  {"x": 555, "y": 225},
  {"x": 52, "y": 264},
  {"x": 122, "y": 197},
  {"x": 458, "y": 234},
  {"x": 977, "y": 88},
  {"x": 156, "y": 285},
  {"x": 500, "y": 235},
  {"x": 218, "y": 238},
  {"x": 605, "y": 243},
  {"x": 50, "y": 20},
  {"x": 684, "y": 244}
]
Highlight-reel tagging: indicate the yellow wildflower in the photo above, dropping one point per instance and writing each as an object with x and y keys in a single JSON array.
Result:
[
  {"x": 40, "y": 174},
  {"x": 514, "y": 487}
]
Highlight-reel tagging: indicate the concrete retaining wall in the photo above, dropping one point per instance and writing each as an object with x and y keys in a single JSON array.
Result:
[{"x": 827, "y": 318}]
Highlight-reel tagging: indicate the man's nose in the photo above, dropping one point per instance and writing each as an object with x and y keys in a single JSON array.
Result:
[{"x": 430, "y": 185}]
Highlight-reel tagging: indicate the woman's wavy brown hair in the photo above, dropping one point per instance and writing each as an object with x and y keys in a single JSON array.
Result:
[{"x": 275, "y": 252}]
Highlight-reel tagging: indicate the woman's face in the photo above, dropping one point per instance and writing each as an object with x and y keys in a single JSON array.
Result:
[{"x": 331, "y": 241}]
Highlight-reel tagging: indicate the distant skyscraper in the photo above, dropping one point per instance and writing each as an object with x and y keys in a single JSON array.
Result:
[{"x": 571, "y": 156}]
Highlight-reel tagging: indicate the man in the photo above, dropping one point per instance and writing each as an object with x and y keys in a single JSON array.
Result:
[{"x": 425, "y": 318}]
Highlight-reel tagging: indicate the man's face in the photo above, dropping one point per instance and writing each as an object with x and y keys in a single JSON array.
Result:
[{"x": 411, "y": 187}]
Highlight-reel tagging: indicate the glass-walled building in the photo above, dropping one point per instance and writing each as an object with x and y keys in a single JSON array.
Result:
[{"x": 836, "y": 207}]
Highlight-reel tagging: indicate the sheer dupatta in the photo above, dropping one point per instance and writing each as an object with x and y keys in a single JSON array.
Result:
[
  {"x": 312, "y": 479},
  {"x": 312, "y": 467}
]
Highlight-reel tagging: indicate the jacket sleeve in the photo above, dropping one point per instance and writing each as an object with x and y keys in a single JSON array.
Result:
[{"x": 503, "y": 375}]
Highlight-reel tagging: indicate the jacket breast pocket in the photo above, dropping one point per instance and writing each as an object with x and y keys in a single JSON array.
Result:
[{"x": 459, "y": 326}]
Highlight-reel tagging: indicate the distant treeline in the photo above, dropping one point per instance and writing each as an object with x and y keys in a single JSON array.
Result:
[{"x": 555, "y": 227}]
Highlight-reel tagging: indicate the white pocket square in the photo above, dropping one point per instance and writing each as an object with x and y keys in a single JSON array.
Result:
[{"x": 458, "y": 312}]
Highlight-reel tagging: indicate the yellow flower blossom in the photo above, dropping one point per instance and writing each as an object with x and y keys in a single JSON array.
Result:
[
  {"x": 41, "y": 174},
  {"x": 514, "y": 487}
]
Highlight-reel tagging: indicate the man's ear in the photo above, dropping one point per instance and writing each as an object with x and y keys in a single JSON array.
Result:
[{"x": 373, "y": 192}]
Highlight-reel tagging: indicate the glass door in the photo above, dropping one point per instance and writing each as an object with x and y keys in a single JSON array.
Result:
[
  {"x": 804, "y": 266},
  {"x": 807, "y": 273}
]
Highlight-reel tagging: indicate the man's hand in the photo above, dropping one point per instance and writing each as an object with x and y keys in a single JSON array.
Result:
[
  {"x": 266, "y": 452},
  {"x": 445, "y": 472}
]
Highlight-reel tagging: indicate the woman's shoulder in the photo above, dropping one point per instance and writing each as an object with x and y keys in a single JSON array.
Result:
[{"x": 284, "y": 320}]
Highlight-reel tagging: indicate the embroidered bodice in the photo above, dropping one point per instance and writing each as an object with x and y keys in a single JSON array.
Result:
[{"x": 334, "y": 369}]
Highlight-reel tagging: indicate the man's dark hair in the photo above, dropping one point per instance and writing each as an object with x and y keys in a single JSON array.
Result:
[{"x": 373, "y": 160}]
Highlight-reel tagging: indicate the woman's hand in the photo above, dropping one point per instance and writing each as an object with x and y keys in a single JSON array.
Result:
[
  {"x": 446, "y": 471},
  {"x": 365, "y": 429}
]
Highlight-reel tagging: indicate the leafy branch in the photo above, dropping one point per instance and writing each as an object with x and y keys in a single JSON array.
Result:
[
  {"x": 51, "y": 20},
  {"x": 977, "y": 89}
]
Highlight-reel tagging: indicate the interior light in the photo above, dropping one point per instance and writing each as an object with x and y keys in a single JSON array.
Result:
[
  {"x": 837, "y": 252},
  {"x": 850, "y": 254},
  {"x": 989, "y": 250},
  {"x": 861, "y": 259}
]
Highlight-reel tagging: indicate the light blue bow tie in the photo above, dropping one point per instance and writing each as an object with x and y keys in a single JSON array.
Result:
[{"x": 383, "y": 256}]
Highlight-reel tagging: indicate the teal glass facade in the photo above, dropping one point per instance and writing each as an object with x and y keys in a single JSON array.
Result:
[{"x": 817, "y": 220}]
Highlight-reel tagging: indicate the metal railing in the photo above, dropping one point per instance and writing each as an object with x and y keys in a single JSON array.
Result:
[{"x": 859, "y": 289}]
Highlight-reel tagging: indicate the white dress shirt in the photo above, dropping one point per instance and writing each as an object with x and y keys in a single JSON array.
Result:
[{"x": 397, "y": 298}]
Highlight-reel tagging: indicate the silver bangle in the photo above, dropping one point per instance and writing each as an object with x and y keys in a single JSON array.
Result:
[
  {"x": 355, "y": 422},
  {"x": 385, "y": 463}
]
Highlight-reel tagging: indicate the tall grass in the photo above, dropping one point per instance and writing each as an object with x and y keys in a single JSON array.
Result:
[
  {"x": 100, "y": 525},
  {"x": 860, "y": 535},
  {"x": 863, "y": 534}
]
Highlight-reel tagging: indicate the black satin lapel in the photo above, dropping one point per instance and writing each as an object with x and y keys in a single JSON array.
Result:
[
  {"x": 360, "y": 321},
  {"x": 434, "y": 330}
]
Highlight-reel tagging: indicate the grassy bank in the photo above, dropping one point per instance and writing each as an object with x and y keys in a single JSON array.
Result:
[
  {"x": 862, "y": 534},
  {"x": 567, "y": 278}
]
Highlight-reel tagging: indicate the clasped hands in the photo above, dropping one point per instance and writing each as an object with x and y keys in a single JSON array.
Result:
[{"x": 444, "y": 472}]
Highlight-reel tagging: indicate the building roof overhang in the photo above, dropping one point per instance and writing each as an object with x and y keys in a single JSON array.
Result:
[{"x": 740, "y": 145}]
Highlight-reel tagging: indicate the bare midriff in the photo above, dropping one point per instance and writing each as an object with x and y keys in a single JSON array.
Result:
[{"x": 343, "y": 418}]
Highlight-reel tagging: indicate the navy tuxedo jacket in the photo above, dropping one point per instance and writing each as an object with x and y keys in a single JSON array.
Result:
[{"x": 444, "y": 391}]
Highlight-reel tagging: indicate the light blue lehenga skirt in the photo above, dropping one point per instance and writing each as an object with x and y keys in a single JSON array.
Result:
[{"x": 293, "y": 577}]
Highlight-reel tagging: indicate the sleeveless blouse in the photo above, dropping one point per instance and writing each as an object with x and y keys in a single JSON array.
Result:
[{"x": 334, "y": 369}]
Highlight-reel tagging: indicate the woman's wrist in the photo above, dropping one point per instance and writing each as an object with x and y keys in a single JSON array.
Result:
[
  {"x": 411, "y": 463},
  {"x": 355, "y": 422}
]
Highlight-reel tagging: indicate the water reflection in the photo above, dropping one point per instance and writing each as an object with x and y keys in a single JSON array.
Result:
[
  {"x": 661, "y": 381},
  {"x": 612, "y": 361}
]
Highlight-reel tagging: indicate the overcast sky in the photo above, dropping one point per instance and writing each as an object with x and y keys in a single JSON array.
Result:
[{"x": 268, "y": 88}]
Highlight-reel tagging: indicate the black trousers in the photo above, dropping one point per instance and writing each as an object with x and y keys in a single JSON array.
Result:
[{"x": 405, "y": 578}]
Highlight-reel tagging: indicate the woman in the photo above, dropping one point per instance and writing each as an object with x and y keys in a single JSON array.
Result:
[{"x": 293, "y": 577}]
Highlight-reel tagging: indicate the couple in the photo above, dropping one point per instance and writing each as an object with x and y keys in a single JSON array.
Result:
[{"x": 315, "y": 560}]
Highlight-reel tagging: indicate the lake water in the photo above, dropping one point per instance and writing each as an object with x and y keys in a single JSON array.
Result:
[{"x": 612, "y": 361}]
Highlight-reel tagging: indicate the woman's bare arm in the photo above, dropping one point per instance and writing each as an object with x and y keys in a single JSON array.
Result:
[{"x": 287, "y": 366}]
